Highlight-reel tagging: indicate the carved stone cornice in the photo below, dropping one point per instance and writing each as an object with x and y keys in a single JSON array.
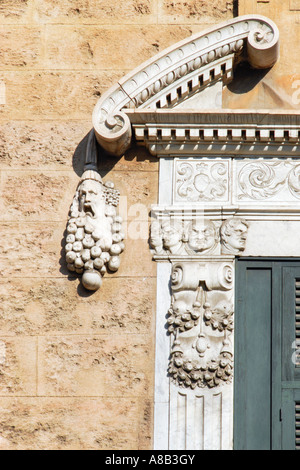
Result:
[
  {"x": 180, "y": 71},
  {"x": 222, "y": 132}
]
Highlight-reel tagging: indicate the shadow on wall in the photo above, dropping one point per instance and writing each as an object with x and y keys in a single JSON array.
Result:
[
  {"x": 107, "y": 163},
  {"x": 246, "y": 78},
  {"x": 257, "y": 89},
  {"x": 235, "y": 8}
]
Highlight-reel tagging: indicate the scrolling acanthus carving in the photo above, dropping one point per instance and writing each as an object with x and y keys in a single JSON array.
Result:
[
  {"x": 200, "y": 321},
  {"x": 264, "y": 180}
]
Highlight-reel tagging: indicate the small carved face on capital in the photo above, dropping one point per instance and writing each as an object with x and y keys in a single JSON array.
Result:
[
  {"x": 155, "y": 239},
  {"x": 91, "y": 198},
  {"x": 233, "y": 234},
  {"x": 172, "y": 233},
  {"x": 202, "y": 236}
]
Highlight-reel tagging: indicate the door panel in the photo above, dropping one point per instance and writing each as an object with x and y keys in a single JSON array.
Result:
[
  {"x": 253, "y": 360},
  {"x": 267, "y": 365}
]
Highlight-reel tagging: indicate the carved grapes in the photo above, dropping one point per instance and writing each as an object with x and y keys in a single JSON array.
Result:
[
  {"x": 200, "y": 322},
  {"x": 95, "y": 238}
]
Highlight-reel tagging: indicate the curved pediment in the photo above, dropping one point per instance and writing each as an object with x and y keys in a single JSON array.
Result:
[{"x": 175, "y": 75}]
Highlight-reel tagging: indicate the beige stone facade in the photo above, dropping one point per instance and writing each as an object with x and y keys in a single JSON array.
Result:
[{"x": 77, "y": 368}]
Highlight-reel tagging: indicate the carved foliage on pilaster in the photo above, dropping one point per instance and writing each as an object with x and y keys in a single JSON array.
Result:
[{"x": 200, "y": 321}]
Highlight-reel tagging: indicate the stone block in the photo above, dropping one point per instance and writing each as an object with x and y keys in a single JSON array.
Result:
[
  {"x": 193, "y": 11},
  {"x": 96, "y": 11},
  {"x": 61, "y": 306},
  {"x": 121, "y": 305},
  {"x": 18, "y": 366},
  {"x": 74, "y": 424},
  {"x": 47, "y": 195},
  {"x": 90, "y": 47},
  {"x": 21, "y": 47},
  {"x": 56, "y": 96},
  {"x": 104, "y": 365},
  {"x": 17, "y": 11},
  {"x": 295, "y": 5},
  {"x": 138, "y": 190},
  {"x": 30, "y": 249},
  {"x": 48, "y": 145}
]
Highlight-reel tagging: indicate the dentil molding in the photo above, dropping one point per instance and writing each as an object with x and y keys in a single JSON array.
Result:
[{"x": 179, "y": 72}]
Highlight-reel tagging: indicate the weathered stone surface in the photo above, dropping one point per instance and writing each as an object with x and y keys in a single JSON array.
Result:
[
  {"x": 181, "y": 11},
  {"x": 96, "y": 11},
  {"x": 21, "y": 47},
  {"x": 53, "y": 95},
  {"x": 51, "y": 145},
  {"x": 106, "y": 365},
  {"x": 15, "y": 10},
  {"x": 75, "y": 423},
  {"x": 27, "y": 249},
  {"x": 139, "y": 188},
  {"x": 87, "y": 46},
  {"x": 18, "y": 366},
  {"x": 47, "y": 195},
  {"x": 60, "y": 306}
]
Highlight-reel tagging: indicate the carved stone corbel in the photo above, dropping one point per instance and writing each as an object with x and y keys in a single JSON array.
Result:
[
  {"x": 200, "y": 320},
  {"x": 95, "y": 238}
]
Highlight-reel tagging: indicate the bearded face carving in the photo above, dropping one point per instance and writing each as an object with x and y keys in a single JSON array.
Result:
[{"x": 94, "y": 230}]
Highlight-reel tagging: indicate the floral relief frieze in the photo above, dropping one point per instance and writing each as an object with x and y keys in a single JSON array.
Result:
[
  {"x": 264, "y": 180},
  {"x": 234, "y": 181}
]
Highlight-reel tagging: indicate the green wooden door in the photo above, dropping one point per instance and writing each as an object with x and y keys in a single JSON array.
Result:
[{"x": 267, "y": 364}]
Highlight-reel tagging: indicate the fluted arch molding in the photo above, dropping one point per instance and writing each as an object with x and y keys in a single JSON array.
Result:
[{"x": 180, "y": 71}]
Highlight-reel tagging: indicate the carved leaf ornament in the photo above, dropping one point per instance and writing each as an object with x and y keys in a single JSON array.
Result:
[
  {"x": 189, "y": 366},
  {"x": 203, "y": 183},
  {"x": 261, "y": 180}
]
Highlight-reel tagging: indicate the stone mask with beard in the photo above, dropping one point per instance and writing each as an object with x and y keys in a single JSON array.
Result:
[{"x": 95, "y": 236}]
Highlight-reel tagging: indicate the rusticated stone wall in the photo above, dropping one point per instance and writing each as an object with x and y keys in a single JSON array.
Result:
[
  {"x": 76, "y": 369},
  {"x": 279, "y": 87}
]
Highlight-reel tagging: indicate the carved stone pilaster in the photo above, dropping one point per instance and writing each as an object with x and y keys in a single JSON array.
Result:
[
  {"x": 200, "y": 317},
  {"x": 200, "y": 320}
]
